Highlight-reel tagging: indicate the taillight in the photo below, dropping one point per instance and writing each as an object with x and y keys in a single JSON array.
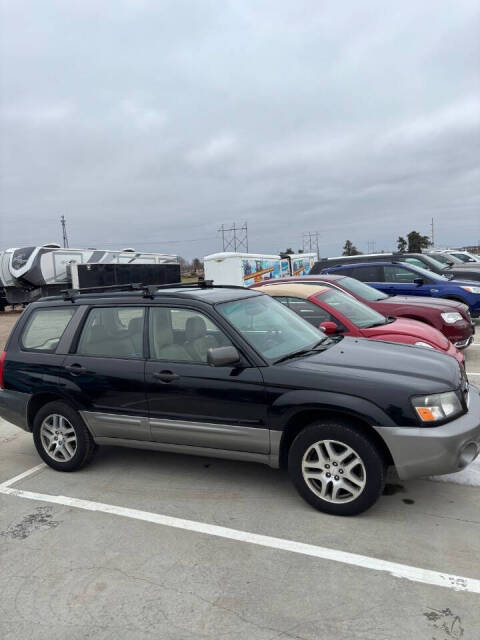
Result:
[{"x": 2, "y": 362}]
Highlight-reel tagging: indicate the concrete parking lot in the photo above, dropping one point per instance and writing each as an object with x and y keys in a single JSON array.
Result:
[{"x": 150, "y": 545}]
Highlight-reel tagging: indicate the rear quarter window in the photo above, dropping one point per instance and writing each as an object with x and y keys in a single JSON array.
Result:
[{"x": 44, "y": 329}]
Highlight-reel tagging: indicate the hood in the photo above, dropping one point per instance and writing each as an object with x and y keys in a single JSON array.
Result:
[
  {"x": 464, "y": 266},
  {"x": 359, "y": 364},
  {"x": 467, "y": 273},
  {"x": 419, "y": 331},
  {"x": 441, "y": 304}
]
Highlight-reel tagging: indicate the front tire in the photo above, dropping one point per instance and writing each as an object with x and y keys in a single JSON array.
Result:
[
  {"x": 61, "y": 437},
  {"x": 336, "y": 468}
]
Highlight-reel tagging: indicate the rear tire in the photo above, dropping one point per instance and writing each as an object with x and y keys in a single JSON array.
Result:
[
  {"x": 336, "y": 468},
  {"x": 61, "y": 437}
]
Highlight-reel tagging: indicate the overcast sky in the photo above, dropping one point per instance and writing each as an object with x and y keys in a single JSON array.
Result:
[{"x": 150, "y": 123}]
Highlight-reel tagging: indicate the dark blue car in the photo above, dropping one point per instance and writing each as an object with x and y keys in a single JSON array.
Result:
[{"x": 401, "y": 278}]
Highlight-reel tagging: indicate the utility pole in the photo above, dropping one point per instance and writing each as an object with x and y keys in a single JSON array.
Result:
[
  {"x": 310, "y": 243},
  {"x": 234, "y": 237},
  {"x": 432, "y": 236},
  {"x": 64, "y": 230}
]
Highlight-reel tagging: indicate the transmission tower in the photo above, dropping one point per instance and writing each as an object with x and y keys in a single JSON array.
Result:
[
  {"x": 310, "y": 243},
  {"x": 64, "y": 230},
  {"x": 234, "y": 237},
  {"x": 371, "y": 246}
]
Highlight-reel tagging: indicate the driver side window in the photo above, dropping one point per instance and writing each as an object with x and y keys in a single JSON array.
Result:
[
  {"x": 183, "y": 335},
  {"x": 399, "y": 275}
]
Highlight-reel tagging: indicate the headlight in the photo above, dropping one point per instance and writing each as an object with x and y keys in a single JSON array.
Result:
[
  {"x": 438, "y": 406},
  {"x": 423, "y": 344},
  {"x": 451, "y": 316},
  {"x": 471, "y": 289}
]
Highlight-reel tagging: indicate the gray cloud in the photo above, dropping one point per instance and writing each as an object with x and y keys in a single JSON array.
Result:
[{"x": 149, "y": 124}]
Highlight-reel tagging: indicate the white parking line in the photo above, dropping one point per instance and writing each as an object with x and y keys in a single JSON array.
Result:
[
  {"x": 415, "y": 574},
  {"x": 25, "y": 474}
]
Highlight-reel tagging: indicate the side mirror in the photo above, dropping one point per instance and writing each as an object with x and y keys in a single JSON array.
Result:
[
  {"x": 418, "y": 282},
  {"x": 223, "y": 357},
  {"x": 328, "y": 327}
]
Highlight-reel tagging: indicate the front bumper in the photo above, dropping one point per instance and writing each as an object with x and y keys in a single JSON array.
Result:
[
  {"x": 425, "y": 451},
  {"x": 463, "y": 344}
]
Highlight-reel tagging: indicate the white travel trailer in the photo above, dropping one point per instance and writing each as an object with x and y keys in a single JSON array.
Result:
[
  {"x": 244, "y": 269},
  {"x": 28, "y": 273}
]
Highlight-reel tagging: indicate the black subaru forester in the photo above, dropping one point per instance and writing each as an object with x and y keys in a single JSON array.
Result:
[{"x": 229, "y": 372}]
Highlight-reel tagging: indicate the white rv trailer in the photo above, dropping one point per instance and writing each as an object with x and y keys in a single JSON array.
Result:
[{"x": 28, "y": 273}]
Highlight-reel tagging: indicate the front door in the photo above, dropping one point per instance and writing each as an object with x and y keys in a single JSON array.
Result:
[
  {"x": 106, "y": 374},
  {"x": 400, "y": 282},
  {"x": 192, "y": 403}
]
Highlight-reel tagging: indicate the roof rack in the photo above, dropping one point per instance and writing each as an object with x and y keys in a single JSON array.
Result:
[
  {"x": 148, "y": 290},
  {"x": 71, "y": 294}
]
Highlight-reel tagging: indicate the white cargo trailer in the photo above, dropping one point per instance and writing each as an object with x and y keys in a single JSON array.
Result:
[
  {"x": 301, "y": 263},
  {"x": 244, "y": 269}
]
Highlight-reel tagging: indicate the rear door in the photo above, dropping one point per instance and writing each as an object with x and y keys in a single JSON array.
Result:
[
  {"x": 34, "y": 351},
  {"x": 373, "y": 275},
  {"x": 192, "y": 403},
  {"x": 105, "y": 373}
]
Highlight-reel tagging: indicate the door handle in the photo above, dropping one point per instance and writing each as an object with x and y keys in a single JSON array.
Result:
[
  {"x": 76, "y": 369},
  {"x": 165, "y": 376}
]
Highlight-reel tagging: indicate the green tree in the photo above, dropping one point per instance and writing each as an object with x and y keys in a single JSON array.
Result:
[
  {"x": 417, "y": 242},
  {"x": 287, "y": 252},
  {"x": 197, "y": 265},
  {"x": 350, "y": 249},
  {"x": 401, "y": 244}
]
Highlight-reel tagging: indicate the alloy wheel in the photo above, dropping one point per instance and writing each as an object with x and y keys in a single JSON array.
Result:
[
  {"x": 58, "y": 438},
  {"x": 334, "y": 471}
]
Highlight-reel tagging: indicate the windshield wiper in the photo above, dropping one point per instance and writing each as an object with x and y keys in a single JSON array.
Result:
[
  {"x": 303, "y": 352},
  {"x": 378, "y": 324}
]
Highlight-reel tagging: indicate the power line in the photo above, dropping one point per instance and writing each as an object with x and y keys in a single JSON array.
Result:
[
  {"x": 64, "y": 230},
  {"x": 234, "y": 237},
  {"x": 310, "y": 243}
]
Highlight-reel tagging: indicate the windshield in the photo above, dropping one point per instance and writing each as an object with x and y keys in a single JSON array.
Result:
[
  {"x": 363, "y": 290},
  {"x": 427, "y": 274},
  {"x": 432, "y": 264},
  {"x": 445, "y": 258},
  {"x": 270, "y": 327},
  {"x": 462, "y": 257},
  {"x": 358, "y": 313}
]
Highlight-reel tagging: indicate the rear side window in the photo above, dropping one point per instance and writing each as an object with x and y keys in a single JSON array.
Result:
[
  {"x": 365, "y": 274},
  {"x": 113, "y": 332},
  {"x": 45, "y": 327}
]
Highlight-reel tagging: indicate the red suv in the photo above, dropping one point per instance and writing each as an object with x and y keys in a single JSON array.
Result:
[{"x": 450, "y": 317}]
